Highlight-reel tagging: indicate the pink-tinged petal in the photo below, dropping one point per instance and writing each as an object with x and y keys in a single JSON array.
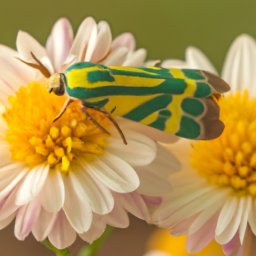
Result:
[
  {"x": 89, "y": 188},
  {"x": 134, "y": 204},
  {"x": 27, "y": 44},
  {"x": 232, "y": 227},
  {"x": 115, "y": 173},
  {"x": 173, "y": 63},
  {"x": 52, "y": 194},
  {"x": 240, "y": 64},
  {"x": 26, "y": 217},
  {"x": 6, "y": 156},
  {"x": 124, "y": 40},
  {"x": 196, "y": 59},
  {"x": 86, "y": 37},
  {"x": 96, "y": 230},
  {"x": 202, "y": 237},
  {"x": 157, "y": 253},
  {"x": 47, "y": 63},
  {"x": 62, "y": 234},
  {"x": 140, "y": 150},
  {"x": 5, "y": 222},
  {"x": 5, "y": 92},
  {"x": 136, "y": 59},
  {"x": 10, "y": 175},
  {"x": 229, "y": 247},
  {"x": 116, "y": 57},
  {"x": 44, "y": 224},
  {"x": 9, "y": 206},
  {"x": 152, "y": 200},
  {"x": 77, "y": 210},
  {"x": 59, "y": 42},
  {"x": 244, "y": 218},
  {"x": 103, "y": 44},
  {"x": 32, "y": 184},
  {"x": 150, "y": 132},
  {"x": 118, "y": 217},
  {"x": 154, "y": 177}
]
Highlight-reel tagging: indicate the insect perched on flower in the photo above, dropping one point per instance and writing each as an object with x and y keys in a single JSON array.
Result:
[{"x": 177, "y": 101}]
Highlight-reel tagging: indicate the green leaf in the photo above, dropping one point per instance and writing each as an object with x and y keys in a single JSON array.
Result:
[
  {"x": 92, "y": 249},
  {"x": 64, "y": 252}
]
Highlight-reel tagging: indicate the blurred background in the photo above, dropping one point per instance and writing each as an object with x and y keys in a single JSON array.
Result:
[{"x": 164, "y": 27}]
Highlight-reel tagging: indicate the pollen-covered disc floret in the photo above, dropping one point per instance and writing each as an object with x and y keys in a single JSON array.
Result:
[
  {"x": 34, "y": 138},
  {"x": 230, "y": 160}
]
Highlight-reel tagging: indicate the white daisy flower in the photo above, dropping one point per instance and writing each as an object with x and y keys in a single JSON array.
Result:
[
  {"x": 68, "y": 177},
  {"x": 214, "y": 194}
]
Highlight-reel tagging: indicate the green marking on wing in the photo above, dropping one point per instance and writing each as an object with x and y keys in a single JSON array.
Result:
[
  {"x": 100, "y": 76},
  {"x": 193, "y": 74},
  {"x": 189, "y": 128},
  {"x": 149, "y": 107},
  {"x": 193, "y": 107},
  {"x": 202, "y": 90},
  {"x": 163, "y": 116}
]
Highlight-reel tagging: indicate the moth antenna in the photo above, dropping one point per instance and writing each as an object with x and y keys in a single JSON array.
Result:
[{"x": 38, "y": 66}]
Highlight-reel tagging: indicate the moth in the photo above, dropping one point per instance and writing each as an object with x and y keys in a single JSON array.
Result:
[{"x": 178, "y": 101}]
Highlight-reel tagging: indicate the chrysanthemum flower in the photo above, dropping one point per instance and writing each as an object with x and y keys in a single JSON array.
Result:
[
  {"x": 161, "y": 243},
  {"x": 214, "y": 194},
  {"x": 68, "y": 177}
]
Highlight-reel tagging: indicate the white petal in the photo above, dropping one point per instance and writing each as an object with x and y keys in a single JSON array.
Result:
[
  {"x": 252, "y": 219},
  {"x": 96, "y": 230},
  {"x": 52, "y": 194},
  {"x": 44, "y": 224},
  {"x": 86, "y": 37},
  {"x": 196, "y": 59},
  {"x": 136, "y": 59},
  {"x": 240, "y": 64},
  {"x": 103, "y": 44},
  {"x": 5, "y": 222},
  {"x": 140, "y": 150},
  {"x": 59, "y": 42},
  {"x": 62, "y": 234},
  {"x": 26, "y": 217},
  {"x": 115, "y": 173},
  {"x": 27, "y": 44},
  {"x": 157, "y": 253},
  {"x": 124, "y": 40},
  {"x": 134, "y": 204},
  {"x": 78, "y": 212},
  {"x": 89, "y": 188},
  {"x": 244, "y": 219},
  {"x": 154, "y": 177},
  {"x": 116, "y": 57},
  {"x": 32, "y": 184},
  {"x": 10, "y": 175},
  {"x": 173, "y": 63}
]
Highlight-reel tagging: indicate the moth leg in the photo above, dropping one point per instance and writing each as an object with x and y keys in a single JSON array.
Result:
[
  {"x": 68, "y": 101},
  {"x": 108, "y": 115},
  {"x": 83, "y": 108}
]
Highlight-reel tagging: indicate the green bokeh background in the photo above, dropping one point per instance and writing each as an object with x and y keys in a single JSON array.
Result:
[{"x": 164, "y": 27}]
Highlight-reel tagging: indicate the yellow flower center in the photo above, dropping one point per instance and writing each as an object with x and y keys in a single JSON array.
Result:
[
  {"x": 34, "y": 138},
  {"x": 230, "y": 160}
]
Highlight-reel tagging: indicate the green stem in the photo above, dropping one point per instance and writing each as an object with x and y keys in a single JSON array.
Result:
[
  {"x": 64, "y": 252},
  {"x": 92, "y": 249}
]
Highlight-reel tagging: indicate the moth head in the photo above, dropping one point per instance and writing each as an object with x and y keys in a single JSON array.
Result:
[{"x": 56, "y": 83}]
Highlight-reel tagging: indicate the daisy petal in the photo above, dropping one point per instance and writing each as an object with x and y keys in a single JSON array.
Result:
[
  {"x": 124, "y": 40},
  {"x": 196, "y": 59},
  {"x": 32, "y": 184},
  {"x": 62, "y": 234},
  {"x": 173, "y": 63},
  {"x": 44, "y": 225},
  {"x": 240, "y": 64},
  {"x": 103, "y": 44},
  {"x": 5, "y": 222},
  {"x": 96, "y": 230},
  {"x": 115, "y": 173},
  {"x": 116, "y": 57},
  {"x": 244, "y": 219},
  {"x": 136, "y": 59},
  {"x": 26, "y": 217},
  {"x": 59, "y": 42},
  {"x": 78, "y": 211},
  {"x": 52, "y": 194},
  {"x": 89, "y": 188}
]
